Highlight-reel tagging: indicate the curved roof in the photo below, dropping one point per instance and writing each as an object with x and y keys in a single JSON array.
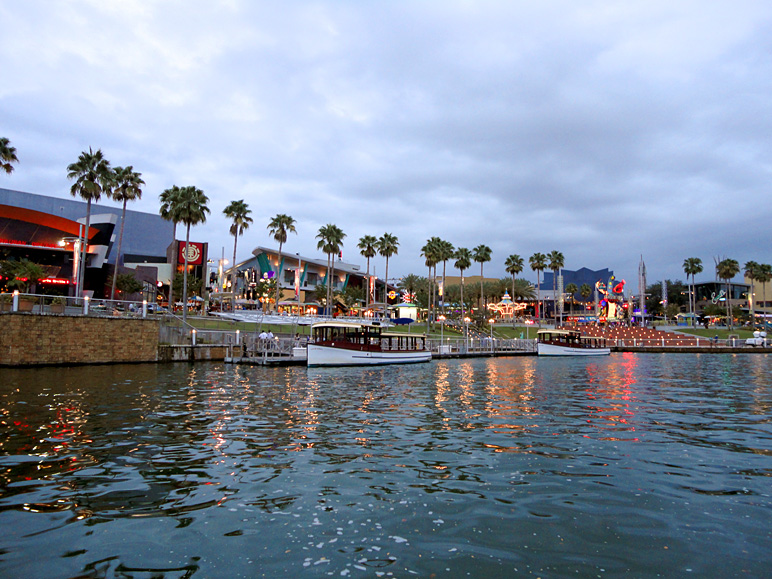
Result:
[{"x": 55, "y": 222}]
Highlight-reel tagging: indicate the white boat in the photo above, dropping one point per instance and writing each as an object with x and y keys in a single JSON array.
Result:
[
  {"x": 569, "y": 343},
  {"x": 356, "y": 344}
]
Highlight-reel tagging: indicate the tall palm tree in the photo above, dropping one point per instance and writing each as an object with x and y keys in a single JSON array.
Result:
[
  {"x": 7, "y": 155},
  {"x": 463, "y": 259},
  {"x": 128, "y": 187},
  {"x": 388, "y": 245},
  {"x": 692, "y": 266},
  {"x": 538, "y": 262},
  {"x": 279, "y": 227},
  {"x": 556, "y": 263},
  {"x": 445, "y": 251},
  {"x": 514, "y": 266},
  {"x": 330, "y": 242},
  {"x": 726, "y": 269},
  {"x": 751, "y": 272},
  {"x": 430, "y": 251},
  {"x": 167, "y": 202},
  {"x": 368, "y": 248},
  {"x": 238, "y": 212},
  {"x": 189, "y": 208},
  {"x": 764, "y": 275},
  {"x": 93, "y": 177},
  {"x": 481, "y": 254}
]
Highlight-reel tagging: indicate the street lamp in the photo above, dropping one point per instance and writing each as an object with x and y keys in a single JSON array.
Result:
[
  {"x": 466, "y": 323},
  {"x": 75, "y": 260},
  {"x": 491, "y": 324},
  {"x": 441, "y": 318}
]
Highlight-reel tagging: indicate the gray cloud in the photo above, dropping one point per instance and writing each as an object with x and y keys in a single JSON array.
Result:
[{"x": 603, "y": 130}]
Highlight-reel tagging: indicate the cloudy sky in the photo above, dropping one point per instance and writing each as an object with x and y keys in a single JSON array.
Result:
[{"x": 605, "y": 130}]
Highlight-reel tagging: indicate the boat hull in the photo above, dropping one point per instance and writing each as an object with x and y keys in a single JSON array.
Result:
[
  {"x": 330, "y": 356},
  {"x": 556, "y": 350}
]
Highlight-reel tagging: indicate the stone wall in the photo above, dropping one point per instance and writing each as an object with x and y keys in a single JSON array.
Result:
[{"x": 35, "y": 340}]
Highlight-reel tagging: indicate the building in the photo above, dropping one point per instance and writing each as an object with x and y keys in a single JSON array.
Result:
[
  {"x": 300, "y": 276},
  {"x": 715, "y": 292},
  {"x": 45, "y": 230}
]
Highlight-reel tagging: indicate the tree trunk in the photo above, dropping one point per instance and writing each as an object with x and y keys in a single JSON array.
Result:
[
  {"x": 463, "y": 305},
  {"x": 118, "y": 256},
  {"x": 84, "y": 251},
  {"x": 185, "y": 279},
  {"x": 367, "y": 288},
  {"x": 233, "y": 272},
  {"x": 278, "y": 277}
]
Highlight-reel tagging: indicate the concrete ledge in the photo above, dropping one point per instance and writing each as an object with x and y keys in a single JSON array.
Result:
[{"x": 198, "y": 353}]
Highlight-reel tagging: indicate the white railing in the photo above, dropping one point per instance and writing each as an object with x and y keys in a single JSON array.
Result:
[{"x": 461, "y": 346}]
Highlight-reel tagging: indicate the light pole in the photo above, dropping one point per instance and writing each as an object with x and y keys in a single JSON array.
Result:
[
  {"x": 491, "y": 324},
  {"x": 466, "y": 323},
  {"x": 75, "y": 260},
  {"x": 441, "y": 318}
]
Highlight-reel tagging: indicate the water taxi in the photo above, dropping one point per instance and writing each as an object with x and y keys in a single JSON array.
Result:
[
  {"x": 350, "y": 343},
  {"x": 569, "y": 343}
]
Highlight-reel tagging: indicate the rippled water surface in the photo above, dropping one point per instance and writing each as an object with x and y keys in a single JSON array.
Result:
[{"x": 642, "y": 465}]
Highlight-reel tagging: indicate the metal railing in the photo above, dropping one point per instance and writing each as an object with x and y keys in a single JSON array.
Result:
[
  {"x": 480, "y": 345},
  {"x": 74, "y": 306}
]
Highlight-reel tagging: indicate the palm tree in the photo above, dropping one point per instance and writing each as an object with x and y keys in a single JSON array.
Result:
[
  {"x": 410, "y": 283},
  {"x": 481, "y": 254},
  {"x": 330, "y": 242},
  {"x": 167, "y": 201},
  {"x": 514, "y": 266},
  {"x": 764, "y": 275},
  {"x": 388, "y": 245},
  {"x": 279, "y": 227},
  {"x": 523, "y": 290},
  {"x": 238, "y": 212},
  {"x": 571, "y": 289},
  {"x": 7, "y": 155},
  {"x": 367, "y": 247},
  {"x": 445, "y": 251},
  {"x": 751, "y": 271},
  {"x": 692, "y": 266},
  {"x": 463, "y": 262},
  {"x": 556, "y": 262},
  {"x": 430, "y": 251},
  {"x": 538, "y": 261},
  {"x": 726, "y": 269},
  {"x": 585, "y": 291},
  {"x": 93, "y": 177},
  {"x": 128, "y": 187},
  {"x": 188, "y": 207}
]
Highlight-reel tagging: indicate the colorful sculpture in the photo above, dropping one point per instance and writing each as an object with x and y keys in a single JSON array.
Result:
[{"x": 612, "y": 300}]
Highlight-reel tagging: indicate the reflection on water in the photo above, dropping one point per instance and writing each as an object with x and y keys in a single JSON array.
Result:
[{"x": 635, "y": 464}]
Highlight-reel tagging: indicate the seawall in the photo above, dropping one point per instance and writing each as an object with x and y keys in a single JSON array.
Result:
[{"x": 35, "y": 340}]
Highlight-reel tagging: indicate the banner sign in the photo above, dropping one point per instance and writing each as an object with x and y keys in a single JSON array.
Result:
[{"x": 195, "y": 253}]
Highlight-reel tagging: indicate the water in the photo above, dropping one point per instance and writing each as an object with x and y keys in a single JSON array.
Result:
[{"x": 638, "y": 465}]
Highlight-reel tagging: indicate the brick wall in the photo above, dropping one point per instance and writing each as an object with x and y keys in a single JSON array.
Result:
[{"x": 33, "y": 340}]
